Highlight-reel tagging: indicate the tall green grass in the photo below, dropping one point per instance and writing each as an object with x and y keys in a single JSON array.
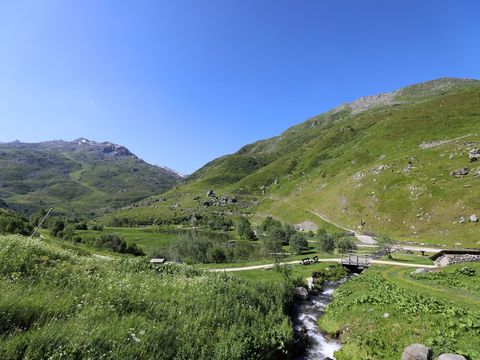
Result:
[{"x": 58, "y": 305}]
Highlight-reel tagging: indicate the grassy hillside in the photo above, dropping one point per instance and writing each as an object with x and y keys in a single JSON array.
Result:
[
  {"x": 380, "y": 164},
  {"x": 56, "y": 304},
  {"x": 78, "y": 176},
  {"x": 380, "y": 312}
]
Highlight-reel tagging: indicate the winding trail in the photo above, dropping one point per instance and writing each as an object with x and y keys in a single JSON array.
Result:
[{"x": 364, "y": 239}]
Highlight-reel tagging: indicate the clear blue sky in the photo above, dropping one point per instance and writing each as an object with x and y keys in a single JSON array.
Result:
[{"x": 182, "y": 82}]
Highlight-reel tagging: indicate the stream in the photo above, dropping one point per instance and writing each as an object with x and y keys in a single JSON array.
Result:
[{"x": 305, "y": 316}]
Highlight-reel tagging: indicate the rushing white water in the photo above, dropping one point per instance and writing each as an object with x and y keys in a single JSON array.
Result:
[{"x": 306, "y": 315}]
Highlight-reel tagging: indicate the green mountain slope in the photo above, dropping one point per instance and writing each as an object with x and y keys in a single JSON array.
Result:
[
  {"x": 380, "y": 164},
  {"x": 76, "y": 176}
]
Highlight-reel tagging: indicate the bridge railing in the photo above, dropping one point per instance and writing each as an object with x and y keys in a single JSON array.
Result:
[{"x": 355, "y": 260}]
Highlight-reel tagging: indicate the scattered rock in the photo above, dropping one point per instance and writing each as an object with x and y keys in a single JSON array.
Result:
[
  {"x": 474, "y": 155},
  {"x": 417, "y": 352},
  {"x": 407, "y": 168},
  {"x": 460, "y": 172},
  {"x": 210, "y": 193},
  {"x": 306, "y": 226},
  {"x": 462, "y": 220},
  {"x": 301, "y": 293},
  {"x": 451, "y": 357}
]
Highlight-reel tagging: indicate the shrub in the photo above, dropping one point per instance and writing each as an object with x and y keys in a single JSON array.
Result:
[
  {"x": 112, "y": 242},
  {"x": 57, "y": 227},
  {"x": 81, "y": 226},
  {"x": 326, "y": 242},
  {"x": 298, "y": 243},
  {"x": 97, "y": 227},
  {"x": 13, "y": 223},
  {"x": 133, "y": 249},
  {"x": 346, "y": 244},
  {"x": 244, "y": 229}
]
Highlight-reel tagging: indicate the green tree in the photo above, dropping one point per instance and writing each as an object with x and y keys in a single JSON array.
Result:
[
  {"x": 113, "y": 242},
  {"x": 288, "y": 232},
  {"x": 133, "y": 249},
  {"x": 216, "y": 255},
  {"x": 13, "y": 223},
  {"x": 190, "y": 248},
  {"x": 244, "y": 229},
  {"x": 326, "y": 242},
  {"x": 298, "y": 243},
  {"x": 386, "y": 244},
  {"x": 270, "y": 223},
  {"x": 57, "y": 227},
  {"x": 272, "y": 241},
  {"x": 68, "y": 232},
  {"x": 346, "y": 244}
]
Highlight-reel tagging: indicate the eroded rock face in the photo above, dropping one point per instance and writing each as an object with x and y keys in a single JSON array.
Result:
[
  {"x": 417, "y": 352},
  {"x": 451, "y": 357}
]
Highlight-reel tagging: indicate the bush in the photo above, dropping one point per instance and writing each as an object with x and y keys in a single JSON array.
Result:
[
  {"x": 298, "y": 243},
  {"x": 81, "y": 226},
  {"x": 326, "y": 242},
  {"x": 244, "y": 229},
  {"x": 346, "y": 244},
  {"x": 13, "y": 223},
  {"x": 112, "y": 242},
  {"x": 68, "y": 233},
  {"x": 133, "y": 249},
  {"x": 97, "y": 227},
  {"x": 57, "y": 227},
  {"x": 216, "y": 255}
]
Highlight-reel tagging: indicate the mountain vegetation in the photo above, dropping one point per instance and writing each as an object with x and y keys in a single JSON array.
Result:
[
  {"x": 401, "y": 163},
  {"x": 79, "y": 176},
  {"x": 59, "y": 305}
]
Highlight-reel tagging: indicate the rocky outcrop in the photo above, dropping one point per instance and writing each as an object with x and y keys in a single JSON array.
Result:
[
  {"x": 474, "y": 155},
  {"x": 460, "y": 172},
  {"x": 417, "y": 352},
  {"x": 451, "y": 357},
  {"x": 301, "y": 293}
]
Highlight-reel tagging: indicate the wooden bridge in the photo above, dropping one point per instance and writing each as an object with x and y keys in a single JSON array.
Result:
[{"x": 355, "y": 262}]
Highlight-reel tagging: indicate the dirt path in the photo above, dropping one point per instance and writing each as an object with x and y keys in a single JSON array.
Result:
[
  {"x": 364, "y": 239},
  {"x": 270, "y": 266}
]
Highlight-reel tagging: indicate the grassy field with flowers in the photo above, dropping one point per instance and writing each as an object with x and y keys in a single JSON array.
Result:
[
  {"x": 380, "y": 312},
  {"x": 56, "y": 304}
]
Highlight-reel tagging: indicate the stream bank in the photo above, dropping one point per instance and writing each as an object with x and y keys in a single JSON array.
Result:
[{"x": 308, "y": 308}]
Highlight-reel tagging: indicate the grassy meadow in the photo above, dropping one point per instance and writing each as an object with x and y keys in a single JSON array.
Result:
[
  {"x": 379, "y": 313},
  {"x": 59, "y": 305}
]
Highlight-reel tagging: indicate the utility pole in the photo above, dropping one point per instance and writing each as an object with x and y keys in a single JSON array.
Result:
[{"x": 41, "y": 223}]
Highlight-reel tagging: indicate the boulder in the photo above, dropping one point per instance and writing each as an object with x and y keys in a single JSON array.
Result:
[
  {"x": 473, "y": 218},
  {"x": 419, "y": 271},
  {"x": 301, "y": 293},
  {"x": 451, "y": 357},
  {"x": 417, "y": 352},
  {"x": 460, "y": 172},
  {"x": 474, "y": 155}
]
